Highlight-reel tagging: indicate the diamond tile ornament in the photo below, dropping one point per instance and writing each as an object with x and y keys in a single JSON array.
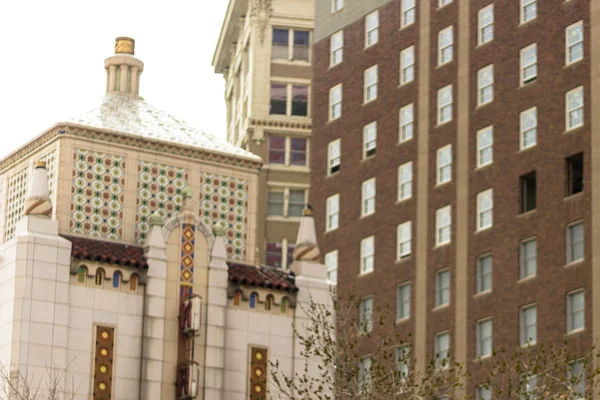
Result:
[
  {"x": 15, "y": 200},
  {"x": 224, "y": 200},
  {"x": 97, "y": 194},
  {"x": 159, "y": 189}
]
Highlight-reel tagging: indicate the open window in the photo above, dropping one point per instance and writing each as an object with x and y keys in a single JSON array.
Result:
[
  {"x": 528, "y": 192},
  {"x": 574, "y": 165}
]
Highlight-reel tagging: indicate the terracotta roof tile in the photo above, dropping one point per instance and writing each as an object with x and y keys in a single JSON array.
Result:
[
  {"x": 110, "y": 252},
  {"x": 262, "y": 276}
]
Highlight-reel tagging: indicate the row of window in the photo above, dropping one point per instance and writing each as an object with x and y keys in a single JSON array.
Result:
[
  {"x": 286, "y": 202},
  {"x": 100, "y": 278},
  {"x": 288, "y": 99},
  {"x": 290, "y": 44},
  {"x": 253, "y": 300},
  {"x": 288, "y": 151}
]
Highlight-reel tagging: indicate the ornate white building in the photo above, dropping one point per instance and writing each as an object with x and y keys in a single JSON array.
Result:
[{"x": 127, "y": 263}]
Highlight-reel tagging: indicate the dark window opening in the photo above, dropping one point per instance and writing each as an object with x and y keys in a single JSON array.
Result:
[
  {"x": 276, "y": 150},
  {"x": 301, "y": 45},
  {"x": 278, "y": 99},
  {"x": 300, "y": 100},
  {"x": 280, "y": 44},
  {"x": 528, "y": 192},
  {"x": 575, "y": 174}
]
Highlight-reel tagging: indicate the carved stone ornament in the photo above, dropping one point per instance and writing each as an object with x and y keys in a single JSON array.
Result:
[{"x": 261, "y": 9}]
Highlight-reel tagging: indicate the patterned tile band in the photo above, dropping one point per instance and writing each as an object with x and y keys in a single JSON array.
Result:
[
  {"x": 188, "y": 242},
  {"x": 97, "y": 194},
  {"x": 103, "y": 363}
]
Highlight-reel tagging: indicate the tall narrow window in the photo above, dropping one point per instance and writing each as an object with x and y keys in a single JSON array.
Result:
[
  {"x": 445, "y": 45},
  {"x": 331, "y": 262},
  {"x": 334, "y": 156},
  {"x": 368, "y": 197},
  {"x": 370, "y": 86},
  {"x": 407, "y": 65},
  {"x": 574, "y": 43},
  {"x": 442, "y": 288},
  {"x": 283, "y": 305},
  {"x": 274, "y": 254},
  {"x": 298, "y": 152},
  {"x": 278, "y": 99},
  {"x": 253, "y": 299},
  {"x": 574, "y": 165},
  {"x": 81, "y": 274},
  {"x": 337, "y": 48},
  {"x": 364, "y": 374},
  {"x": 335, "y": 102},
  {"x": 116, "y": 280},
  {"x": 575, "y": 311},
  {"x": 408, "y": 12},
  {"x": 528, "y": 258},
  {"x": 443, "y": 225},
  {"x": 133, "y": 283},
  {"x": 485, "y": 85},
  {"x": 528, "y": 128},
  {"x": 528, "y": 192},
  {"x": 574, "y": 100},
  {"x": 403, "y": 361},
  {"x": 372, "y": 28},
  {"x": 404, "y": 237},
  {"x": 403, "y": 301},
  {"x": 405, "y": 178},
  {"x": 268, "y": 302},
  {"x": 275, "y": 202},
  {"x": 444, "y": 164},
  {"x": 99, "y": 280},
  {"x": 528, "y": 64},
  {"x": 366, "y": 314},
  {"x": 528, "y": 10},
  {"x": 369, "y": 140},
  {"x": 333, "y": 212},
  {"x": 485, "y": 149},
  {"x": 444, "y": 105},
  {"x": 296, "y": 203},
  {"x": 237, "y": 297},
  {"x": 576, "y": 379},
  {"x": 486, "y": 24},
  {"x": 442, "y": 3},
  {"x": 280, "y": 48},
  {"x": 299, "y": 100},
  {"x": 407, "y": 119},
  {"x": 484, "y": 338},
  {"x": 337, "y": 5},
  {"x": 442, "y": 350},
  {"x": 484, "y": 273},
  {"x": 528, "y": 325},
  {"x": 529, "y": 387},
  {"x": 575, "y": 242},
  {"x": 301, "y": 49},
  {"x": 367, "y": 254},
  {"x": 276, "y": 150}
]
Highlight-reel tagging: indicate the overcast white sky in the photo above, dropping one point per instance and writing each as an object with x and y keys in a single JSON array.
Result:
[{"x": 52, "y": 60}]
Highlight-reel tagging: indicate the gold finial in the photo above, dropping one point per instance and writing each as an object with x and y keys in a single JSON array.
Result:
[
  {"x": 124, "y": 45},
  {"x": 40, "y": 164}
]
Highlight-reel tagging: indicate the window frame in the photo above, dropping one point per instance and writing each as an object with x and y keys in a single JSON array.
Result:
[
  {"x": 286, "y": 191},
  {"x": 481, "y": 149},
  {"x": 403, "y": 365},
  {"x": 335, "y": 8},
  {"x": 441, "y": 291},
  {"x": 331, "y": 269},
  {"x": 287, "y": 151},
  {"x": 480, "y": 347},
  {"x": 570, "y": 244},
  {"x": 481, "y": 27},
  {"x": 523, "y": 131},
  {"x": 443, "y": 47},
  {"x": 406, "y": 124},
  {"x": 368, "y": 198},
  {"x": 368, "y": 30},
  {"x": 444, "y": 3},
  {"x": 365, "y": 256},
  {"x": 292, "y": 46},
  {"x": 439, "y": 226},
  {"x": 571, "y": 311},
  {"x": 366, "y": 314},
  {"x": 402, "y": 184},
  {"x": 442, "y": 167},
  {"x": 329, "y": 213},
  {"x": 523, "y": 67},
  {"x": 523, "y": 261},
  {"x": 333, "y": 50},
  {"x": 524, "y": 340},
  {"x": 285, "y": 247},
  {"x": 401, "y": 241},
  {"x": 568, "y": 46},
  {"x": 336, "y": 160},
  {"x": 407, "y": 11},
  {"x": 441, "y": 106},
  {"x": 482, "y": 87},
  {"x": 402, "y": 303},
  {"x": 442, "y": 363},
  {"x": 369, "y": 130},
  {"x": 569, "y": 109},
  {"x": 480, "y": 274},
  {"x": 524, "y": 4},
  {"x": 481, "y": 211},
  {"x": 409, "y": 67},
  {"x": 333, "y": 104},
  {"x": 368, "y": 85}
]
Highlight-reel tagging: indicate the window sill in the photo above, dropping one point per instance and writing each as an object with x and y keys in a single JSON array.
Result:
[
  {"x": 366, "y": 102},
  {"x": 405, "y": 26},
  {"x": 438, "y": 185},
  {"x": 481, "y": 45},
  {"x": 401, "y": 142},
  {"x": 333, "y": 119},
  {"x": 273, "y": 218},
  {"x": 574, "y": 263},
  {"x": 528, "y": 344},
  {"x": 571, "y": 130},
  {"x": 404, "y": 84},
  {"x": 442, "y": 307},
  {"x": 440, "y": 66},
  {"x": 574, "y": 196},
  {"x": 331, "y": 174},
  {"x": 332, "y": 66},
  {"x": 484, "y": 229},
  {"x": 572, "y": 63},
  {"x": 439, "y": 245},
  {"x": 403, "y": 259},
  {"x": 331, "y": 230},
  {"x": 575, "y": 332},
  {"x": 523, "y": 23},
  {"x": 283, "y": 167},
  {"x": 483, "y": 105},
  {"x": 527, "y": 214},
  {"x": 483, "y": 358},
  {"x": 439, "y": 124},
  {"x": 480, "y": 167},
  {"x": 366, "y": 215},
  {"x": 483, "y": 293},
  {"x": 530, "y": 82},
  {"x": 527, "y": 279},
  {"x": 402, "y": 320},
  {"x": 403, "y": 200},
  {"x": 366, "y": 273},
  {"x": 523, "y": 150},
  {"x": 292, "y": 62}
]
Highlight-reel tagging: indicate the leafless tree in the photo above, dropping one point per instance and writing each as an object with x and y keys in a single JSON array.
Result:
[{"x": 16, "y": 385}]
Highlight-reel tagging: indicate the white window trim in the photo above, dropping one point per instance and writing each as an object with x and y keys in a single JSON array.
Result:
[
  {"x": 522, "y": 258},
  {"x": 524, "y": 341},
  {"x": 364, "y": 315},
  {"x": 330, "y": 159},
  {"x": 444, "y": 3},
  {"x": 479, "y": 339},
  {"x": 479, "y": 148},
  {"x": 478, "y": 286},
  {"x": 403, "y": 124},
  {"x": 367, "y": 31},
  {"x": 366, "y": 130},
  {"x": 332, "y": 269},
  {"x": 568, "y": 109},
  {"x": 438, "y": 274},
  {"x": 332, "y": 104},
  {"x": 523, "y": 67},
  {"x": 363, "y": 256},
  {"x": 400, "y": 255},
  {"x": 438, "y": 227},
  {"x": 401, "y": 182},
  {"x": 398, "y": 289},
  {"x": 436, "y": 351},
  {"x": 328, "y": 227},
  {"x": 366, "y": 84},
  {"x": 480, "y": 27},
  {"x": 522, "y": 6},
  {"x": 333, "y": 9},
  {"x": 480, "y": 211},
  {"x": 569, "y": 322},
  {"x": 365, "y": 199},
  {"x": 578, "y": 24},
  {"x": 403, "y": 67},
  {"x": 481, "y": 87},
  {"x": 451, "y": 45},
  {"x": 522, "y": 131},
  {"x": 440, "y": 106},
  {"x": 570, "y": 243},
  {"x": 439, "y": 166},
  {"x": 333, "y": 50},
  {"x": 404, "y": 12}
]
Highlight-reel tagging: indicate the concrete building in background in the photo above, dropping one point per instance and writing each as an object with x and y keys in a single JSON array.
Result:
[
  {"x": 264, "y": 53},
  {"x": 127, "y": 259},
  {"x": 453, "y": 173}
]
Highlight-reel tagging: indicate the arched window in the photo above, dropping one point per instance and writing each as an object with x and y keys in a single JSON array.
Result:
[
  {"x": 133, "y": 283},
  {"x": 81, "y": 274},
  {"x": 268, "y": 303},
  {"x": 253, "y": 298},
  {"x": 116, "y": 280},
  {"x": 237, "y": 296},
  {"x": 99, "y": 277},
  {"x": 284, "y": 303}
]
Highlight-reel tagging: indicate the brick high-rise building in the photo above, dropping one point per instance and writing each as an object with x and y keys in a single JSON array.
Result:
[{"x": 453, "y": 166}]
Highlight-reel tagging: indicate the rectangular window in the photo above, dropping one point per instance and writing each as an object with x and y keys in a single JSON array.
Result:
[
  {"x": 337, "y": 5},
  {"x": 485, "y": 146},
  {"x": 407, "y": 65},
  {"x": 372, "y": 28},
  {"x": 407, "y": 123},
  {"x": 444, "y": 164},
  {"x": 287, "y": 151},
  {"x": 528, "y": 325},
  {"x": 574, "y": 43},
  {"x": 334, "y": 156},
  {"x": 331, "y": 262},
  {"x": 442, "y": 3},
  {"x": 403, "y": 302},
  {"x": 335, "y": 102},
  {"x": 333, "y": 212},
  {"x": 367, "y": 254},
  {"x": 575, "y": 242},
  {"x": 484, "y": 338},
  {"x": 337, "y": 48},
  {"x": 364, "y": 374},
  {"x": 528, "y": 192},
  {"x": 575, "y": 311},
  {"x": 442, "y": 288},
  {"x": 485, "y": 85},
  {"x": 444, "y": 105},
  {"x": 275, "y": 203},
  {"x": 445, "y": 45},
  {"x": 442, "y": 350},
  {"x": 405, "y": 178},
  {"x": 276, "y": 150},
  {"x": 274, "y": 254},
  {"x": 404, "y": 237},
  {"x": 286, "y": 202},
  {"x": 301, "y": 47},
  {"x": 528, "y": 10},
  {"x": 368, "y": 197},
  {"x": 484, "y": 273},
  {"x": 366, "y": 314},
  {"x": 408, "y": 12},
  {"x": 403, "y": 361},
  {"x": 528, "y": 258},
  {"x": 483, "y": 393},
  {"x": 529, "y": 387},
  {"x": 369, "y": 140},
  {"x": 299, "y": 100},
  {"x": 486, "y": 24},
  {"x": 278, "y": 99},
  {"x": 528, "y": 64},
  {"x": 443, "y": 225},
  {"x": 574, "y": 100},
  {"x": 528, "y": 128},
  {"x": 280, "y": 49},
  {"x": 574, "y": 165},
  {"x": 296, "y": 203},
  {"x": 576, "y": 379},
  {"x": 298, "y": 152},
  {"x": 370, "y": 86}
]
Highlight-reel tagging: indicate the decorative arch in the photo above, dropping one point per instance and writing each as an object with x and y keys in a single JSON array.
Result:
[
  {"x": 133, "y": 283},
  {"x": 184, "y": 218},
  {"x": 99, "y": 277},
  {"x": 253, "y": 300},
  {"x": 268, "y": 302},
  {"x": 116, "y": 279}
]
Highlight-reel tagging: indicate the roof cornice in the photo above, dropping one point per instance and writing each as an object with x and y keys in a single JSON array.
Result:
[{"x": 235, "y": 10}]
